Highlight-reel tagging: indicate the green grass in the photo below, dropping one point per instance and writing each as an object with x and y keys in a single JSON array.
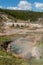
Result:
[
  {"x": 3, "y": 53},
  {"x": 2, "y": 39},
  {"x": 12, "y": 60},
  {"x": 5, "y": 61}
]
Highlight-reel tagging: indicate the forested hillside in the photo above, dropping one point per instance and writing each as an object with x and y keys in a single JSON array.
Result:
[{"x": 24, "y": 15}]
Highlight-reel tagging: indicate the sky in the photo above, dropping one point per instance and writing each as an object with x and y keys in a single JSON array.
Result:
[{"x": 34, "y": 5}]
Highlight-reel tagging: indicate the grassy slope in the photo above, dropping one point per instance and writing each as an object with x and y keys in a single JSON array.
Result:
[{"x": 8, "y": 59}]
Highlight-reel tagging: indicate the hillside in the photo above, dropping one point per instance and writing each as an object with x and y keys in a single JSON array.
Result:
[
  {"x": 19, "y": 16},
  {"x": 23, "y": 15},
  {"x": 21, "y": 37}
]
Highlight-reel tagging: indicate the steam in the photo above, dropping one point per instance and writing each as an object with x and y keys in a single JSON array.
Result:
[{"x": 25, "y": 47}]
